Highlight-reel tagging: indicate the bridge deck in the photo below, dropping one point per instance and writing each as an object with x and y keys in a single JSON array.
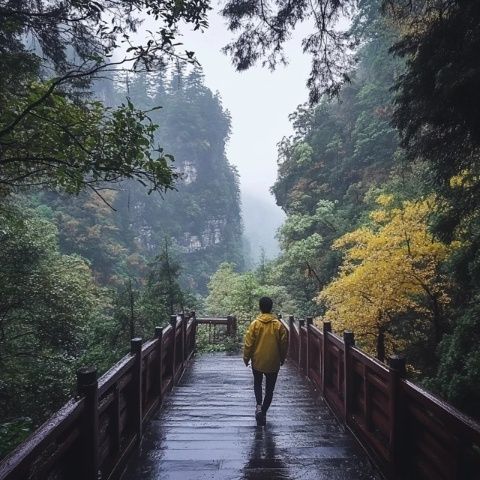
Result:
[{"x": 207, "y": 430}]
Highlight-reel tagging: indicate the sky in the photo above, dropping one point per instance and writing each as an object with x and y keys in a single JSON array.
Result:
[{"x": 258, "y": 100}]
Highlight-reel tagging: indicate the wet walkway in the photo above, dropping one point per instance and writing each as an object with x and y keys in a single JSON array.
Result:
[{"x": 207, "y": 430}]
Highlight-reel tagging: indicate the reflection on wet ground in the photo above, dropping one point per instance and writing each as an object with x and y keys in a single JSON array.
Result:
[
  {"x": 207, "y": 430},
  {"x": 264, "y": 459}
]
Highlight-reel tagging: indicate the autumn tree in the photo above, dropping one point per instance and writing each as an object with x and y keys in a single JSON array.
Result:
[{"x": 390, "y": 268}]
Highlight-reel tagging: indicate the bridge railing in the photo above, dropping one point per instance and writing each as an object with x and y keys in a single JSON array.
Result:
[
  {"x": 230, "y": 322},
  {"x": 91, "y": 437},
  {"x": 409, "y": 433}
]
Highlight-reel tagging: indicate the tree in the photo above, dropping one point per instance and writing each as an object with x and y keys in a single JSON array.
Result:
[
  {"x": 436, "y": 114},
  {"x": 265, "y": 25},
  {"x": 203, "y": 215},
  {"x": 238, "y": 294},
  {"x": 163, "y": 293},
  {"x": 459, "y": 362},
  {"x": 46, "y": 304},
  {"x": 338, "y": 153},
  {"x": 72, "y": 147},
  {"x": 438, "y": 95},
  {"x": 87, "y": 226},
  {"x": 390, "y": 268},
  {"x": 49, "y": 133}
]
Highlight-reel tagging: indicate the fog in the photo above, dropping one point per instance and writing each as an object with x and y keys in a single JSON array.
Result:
[{"x": 259, "y": 102}]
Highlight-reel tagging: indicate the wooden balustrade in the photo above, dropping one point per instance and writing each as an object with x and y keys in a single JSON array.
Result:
[
  {"x": 408, "y": 432},
  {"x": 91, "y": 437},
  {"x": 230, "y": 322}
]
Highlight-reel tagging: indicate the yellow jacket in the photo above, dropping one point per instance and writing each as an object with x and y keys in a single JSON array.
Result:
[{"x": 265, "y": 343}]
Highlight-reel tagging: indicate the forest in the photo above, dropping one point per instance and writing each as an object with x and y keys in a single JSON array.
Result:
[{"x": 119, "y": 206}]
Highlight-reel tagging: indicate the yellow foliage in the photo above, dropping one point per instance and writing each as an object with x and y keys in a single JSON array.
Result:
[
  {"x": 464, "y": 180},
  {"x": 388, "y": 269},
  {"x": 384, "y": 199}
]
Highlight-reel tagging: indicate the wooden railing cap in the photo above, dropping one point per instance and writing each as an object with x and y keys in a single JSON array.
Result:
[
  {"x": 348, "y": 338},
  {"x": 397, "y": 363},
  {"x": 86, "y": 376},
  {"x": 135, "y": 345}
]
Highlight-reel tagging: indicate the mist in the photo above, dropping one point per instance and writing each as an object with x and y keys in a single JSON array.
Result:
[{"x": 259, "y": 102}]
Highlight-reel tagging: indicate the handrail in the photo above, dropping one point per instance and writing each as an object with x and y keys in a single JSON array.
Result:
[
  {"x": 92, "y": 436},
  {"x": 16, "y": 464},
  {"x": 407, "y": 431},
  {"x": 230, "y": 322}
]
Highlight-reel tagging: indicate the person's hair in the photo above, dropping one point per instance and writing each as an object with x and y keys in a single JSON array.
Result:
[{"x": 266, "y": 304}]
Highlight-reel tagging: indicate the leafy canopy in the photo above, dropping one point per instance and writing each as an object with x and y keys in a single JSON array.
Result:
[
  {"x": 50, "y": 133},
  {"x": 390, "y": 267}
]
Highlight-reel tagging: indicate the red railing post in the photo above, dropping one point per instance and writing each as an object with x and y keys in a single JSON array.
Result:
[
  {"x": 397, "y": 371},
  {"x": 327, "y": 327},
  {"x": 159, "y": 337},
  {"x": 349, "y": 341},
  {"x": 136, "y": 349},
  {"x": 173, "y": 323},
  {"x": 87, "y": 386},
  {"x": 183, "y": 326},
  {"x": 229, "y": 325},
  {"x": 301, "y": 354},
  {"x": 235, "y": 327},
  {"x": 307, "y": 363},
  {"x": 291, "y": 327},
  {"x": 193, "y": 339}
]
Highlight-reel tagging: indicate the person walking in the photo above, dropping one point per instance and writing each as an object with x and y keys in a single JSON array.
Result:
[{"x": 265, "y": 345}]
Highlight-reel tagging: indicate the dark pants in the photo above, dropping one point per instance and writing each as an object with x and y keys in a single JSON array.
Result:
[{"x": 271, "y": 379}]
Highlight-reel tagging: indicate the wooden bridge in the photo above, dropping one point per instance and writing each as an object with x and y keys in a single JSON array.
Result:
[{"x": 337, "y": 414}]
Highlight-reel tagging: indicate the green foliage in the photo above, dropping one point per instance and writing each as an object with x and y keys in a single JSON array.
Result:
[
  {"x": 163, "y": 295},
  {"x": 238, "y": 294},
  {"x": 337, "y": 155},
  {"x": 54, "y": 317},
  {"x": 50, "y": 131},
  {"x": 436, "y": 112},
  {"x": 13, "y": 433},
  {"x": 203, "y": 215},
  {"x": 459, "y": 366},
  {"x": 47, "y": 302},
  {"x": 89, "y": 227},
  {"x": 209, "y": 341},
  {"x": 71, "y": 147}
]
